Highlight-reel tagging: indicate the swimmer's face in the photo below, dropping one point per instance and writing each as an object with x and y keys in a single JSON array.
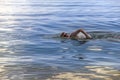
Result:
[{"x": 64, "y": 35}]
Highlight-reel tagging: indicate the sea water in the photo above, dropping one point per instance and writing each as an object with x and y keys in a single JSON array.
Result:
[{"x": 31, "y": 49}]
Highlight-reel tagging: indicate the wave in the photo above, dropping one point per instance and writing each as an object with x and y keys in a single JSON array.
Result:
[{"x": 105, "y": 35}]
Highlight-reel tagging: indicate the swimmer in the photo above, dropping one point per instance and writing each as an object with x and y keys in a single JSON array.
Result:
[{"x": 78, "y": 34}]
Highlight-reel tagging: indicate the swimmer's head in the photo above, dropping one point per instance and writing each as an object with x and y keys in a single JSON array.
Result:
[{"x": 64, "y": 35}]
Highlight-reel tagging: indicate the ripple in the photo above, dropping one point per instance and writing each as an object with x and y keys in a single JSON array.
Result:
[
  {"x": 6, "y": 29},
  {"x": 15, "y": 42},
  {"x": 95, "y": 48},
  {"x": 6, "y": 50},
  {"x": 97, "y": 72},
  {"x": 26, "y": 43}
]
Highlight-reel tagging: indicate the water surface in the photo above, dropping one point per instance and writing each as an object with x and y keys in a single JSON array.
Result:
[{"x": 30, "y": 50}]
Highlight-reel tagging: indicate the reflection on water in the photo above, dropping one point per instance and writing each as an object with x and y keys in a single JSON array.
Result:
[
  {"x": 51, "y": 73},
  {"x": 91, "y": 73}
]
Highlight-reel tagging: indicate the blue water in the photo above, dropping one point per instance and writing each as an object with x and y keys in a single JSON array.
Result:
[{"x": 30, "y": 48}]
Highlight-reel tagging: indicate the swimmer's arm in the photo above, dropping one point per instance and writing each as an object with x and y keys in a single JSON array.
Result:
[
  {"x": 86, "y": 34},
  {"x": 74, "y": 34}
]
